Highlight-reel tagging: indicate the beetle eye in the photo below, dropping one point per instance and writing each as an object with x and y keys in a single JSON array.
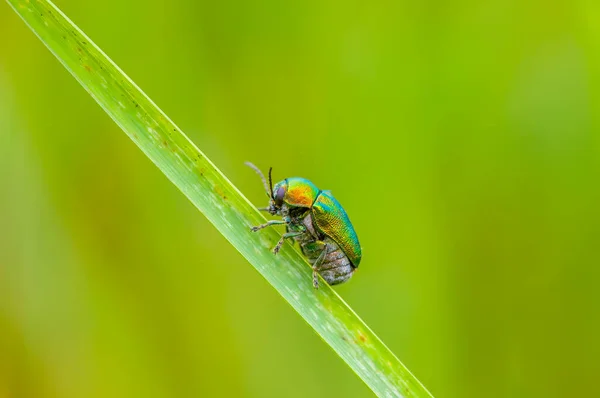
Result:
[{"x": 279, "y": 196}]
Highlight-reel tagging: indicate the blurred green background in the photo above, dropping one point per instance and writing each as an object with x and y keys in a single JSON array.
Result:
[{"x": 461, "y": 137}]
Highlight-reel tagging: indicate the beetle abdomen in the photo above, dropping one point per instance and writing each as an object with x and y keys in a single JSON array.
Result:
[{"x": 336, "y": 268}]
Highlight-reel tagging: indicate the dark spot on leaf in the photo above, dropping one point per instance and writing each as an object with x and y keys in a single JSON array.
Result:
[
  {"x": 362, "y": 337},
  {"x": 220, "y": 192}
]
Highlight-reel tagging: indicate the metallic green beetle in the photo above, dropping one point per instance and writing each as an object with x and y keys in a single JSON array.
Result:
[{"x": 317, "y": 221}]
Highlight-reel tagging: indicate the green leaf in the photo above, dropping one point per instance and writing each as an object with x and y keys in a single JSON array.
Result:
[{"x": 214, "y": 195}]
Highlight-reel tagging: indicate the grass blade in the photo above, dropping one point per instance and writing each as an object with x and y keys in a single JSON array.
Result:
[{"x": 212, "y": 193}]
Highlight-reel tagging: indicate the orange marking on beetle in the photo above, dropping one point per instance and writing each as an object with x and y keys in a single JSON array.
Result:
[{"x": 299, "y": 196}]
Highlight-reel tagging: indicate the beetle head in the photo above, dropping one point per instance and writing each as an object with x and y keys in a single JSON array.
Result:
[{"x": 276, "y": 194}]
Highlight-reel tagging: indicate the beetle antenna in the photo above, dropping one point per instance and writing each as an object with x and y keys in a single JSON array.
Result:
[
  {"x": 262, "y": 177},
  {"x": 271, "y": 183}
]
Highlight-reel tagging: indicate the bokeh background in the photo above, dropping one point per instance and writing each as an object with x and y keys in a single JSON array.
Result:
[{"x": 462, "y": 137}]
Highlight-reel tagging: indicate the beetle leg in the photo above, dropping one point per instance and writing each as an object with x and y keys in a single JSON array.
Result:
[
  {"x": 268, "y": 223},
  {"x": 317, "y": 264},
  {"x": 287, "y": 235}
]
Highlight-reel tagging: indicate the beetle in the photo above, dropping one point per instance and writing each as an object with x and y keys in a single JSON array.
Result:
[{"x": 317, "y": 221}]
